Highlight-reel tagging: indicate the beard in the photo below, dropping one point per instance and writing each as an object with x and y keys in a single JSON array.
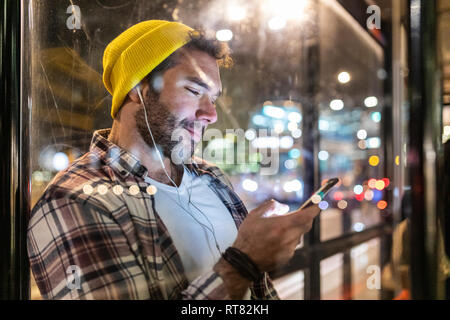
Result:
[{"x": 170, "y": 134}]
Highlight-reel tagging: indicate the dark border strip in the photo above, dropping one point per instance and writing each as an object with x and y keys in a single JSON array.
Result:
[{"x": 14, "y": 167}]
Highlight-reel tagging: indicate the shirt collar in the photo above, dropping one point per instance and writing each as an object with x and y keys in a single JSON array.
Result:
[{"x": 120, "y": 160}]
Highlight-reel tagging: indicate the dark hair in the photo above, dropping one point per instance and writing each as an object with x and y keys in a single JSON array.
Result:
[{"x": 198, "y": 41}]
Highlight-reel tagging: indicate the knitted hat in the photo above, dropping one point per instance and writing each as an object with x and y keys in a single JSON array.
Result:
[{"x": 136, "y": 52}]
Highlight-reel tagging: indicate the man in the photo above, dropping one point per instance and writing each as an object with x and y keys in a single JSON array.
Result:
[{"x": 126, "y": 220}]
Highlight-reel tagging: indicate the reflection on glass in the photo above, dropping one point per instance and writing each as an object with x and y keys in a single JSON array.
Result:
[
  {"x": 331, "y": 277},
  {"x": 366, "y": 271},
  {"x": 291, "y": 286},
  {"x": 274, "y": 138},
  {"x": 349, "y": 123},
  {"x": 331, "y": 224}
]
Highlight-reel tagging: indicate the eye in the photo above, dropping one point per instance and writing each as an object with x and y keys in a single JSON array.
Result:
[{"x": 194, "y": 92}]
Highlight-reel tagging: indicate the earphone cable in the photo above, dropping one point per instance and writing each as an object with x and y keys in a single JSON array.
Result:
[
  {"x": 190, "y": 213},
  {"x": 170, "y": 179}
]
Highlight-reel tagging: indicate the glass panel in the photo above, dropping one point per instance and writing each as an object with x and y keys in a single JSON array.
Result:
[
  {"x": 330, "y": 224},
  {"x": 349, "y": 122},
  {"x": 291, "y": 286},
  {"x": 331, "y": 277},
  {"x": 366, "y": 271}
]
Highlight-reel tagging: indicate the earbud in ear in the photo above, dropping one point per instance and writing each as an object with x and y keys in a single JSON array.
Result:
[{"x": 138, "y": 89}]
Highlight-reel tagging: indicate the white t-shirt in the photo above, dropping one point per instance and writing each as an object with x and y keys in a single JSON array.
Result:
[{"x": 193, "y": 224}]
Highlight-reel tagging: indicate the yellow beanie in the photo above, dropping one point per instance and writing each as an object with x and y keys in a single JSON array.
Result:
[{"x": 136, "y": 52}]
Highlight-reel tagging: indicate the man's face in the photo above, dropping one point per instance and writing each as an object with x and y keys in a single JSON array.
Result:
[{"x": 186, "y": 102}]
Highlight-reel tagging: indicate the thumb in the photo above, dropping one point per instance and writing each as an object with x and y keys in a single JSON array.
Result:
[
  {"x": 267, "y": 206},
  {"x": 309, "y": 212},
  {"x": 271, "y": 207}
]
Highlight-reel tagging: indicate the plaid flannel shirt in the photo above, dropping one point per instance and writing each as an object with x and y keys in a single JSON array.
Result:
[{"x": 95, "y": 234}]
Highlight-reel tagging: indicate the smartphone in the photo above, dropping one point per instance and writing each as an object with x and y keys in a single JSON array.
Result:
[{"x": 321, "y": 192}]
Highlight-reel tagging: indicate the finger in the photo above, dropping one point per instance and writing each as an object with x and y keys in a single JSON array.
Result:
[
  {"x": 267, "y": 206},
  {"x": 310, "y": 210},
  {"x": 278, "y": 210},
  {"x": 304, "y": 215}
]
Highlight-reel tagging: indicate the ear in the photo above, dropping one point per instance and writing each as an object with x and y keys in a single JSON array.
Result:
[{"x": 133, "y": 94}]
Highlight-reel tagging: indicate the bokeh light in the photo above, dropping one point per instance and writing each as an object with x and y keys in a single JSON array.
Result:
[
  {"x": 371, "y": 102},
  {"x": 374, "y": 161},
  {"x": 338, "y": 195},
  {"x": 344, "y": 77},
  {"x": 60, "y": 161},
  {"x": 362, "y": 144},
  {"x": 379, "y": 185},
  {"x": 358, "y": 189},
  {"x": 371, "y": 183},
  {"x": 382, "y": 205},
  {"x": 323, "y": 155},
  {"x": 359, "y": 226},
  {"x": 277, "y": 23},
  {"x": 359, "y": 197},
  {"x": 224, "y": 35},
  {"x": 368, "y": 195},
  {"x": 250, "y": 134},
  {"x": 296, "y": 133},
  {"x": 362, "y": 134},
  {"x": 249, "y": 185},
  {"x": 294, "y": 153},
  {"x": 342, "y": 204},
  {"x": 323, "y": 205},
  {"x": 337, "y": 104},
  {"x": 316, "y": 199},
  {"x": 376, "y": 116},
  {"x": 236, "y": 13},
  {"x": 294, "y": 117}
]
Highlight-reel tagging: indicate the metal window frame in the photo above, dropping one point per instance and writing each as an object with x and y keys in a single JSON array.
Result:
[
  {"x": 425, "y": 142},
  {"x": 15, "y": 169}
]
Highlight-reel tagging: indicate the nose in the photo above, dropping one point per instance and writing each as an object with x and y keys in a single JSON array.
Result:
[{"x": 206, "y": 111}]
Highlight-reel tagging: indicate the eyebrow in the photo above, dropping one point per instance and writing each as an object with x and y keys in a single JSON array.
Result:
[{"x": 202, "y": 84}]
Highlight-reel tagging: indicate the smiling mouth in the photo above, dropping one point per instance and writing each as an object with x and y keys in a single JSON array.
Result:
[{"x": 195, "y": 134}]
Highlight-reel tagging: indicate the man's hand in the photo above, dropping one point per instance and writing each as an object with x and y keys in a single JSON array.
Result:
[{"x": 271, "y": 241}]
